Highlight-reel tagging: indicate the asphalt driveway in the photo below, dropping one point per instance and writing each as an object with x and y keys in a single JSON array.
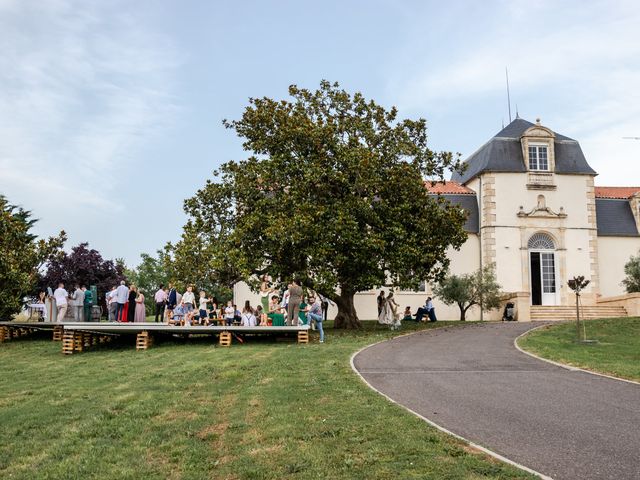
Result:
[{"x": 472, "y": 381}]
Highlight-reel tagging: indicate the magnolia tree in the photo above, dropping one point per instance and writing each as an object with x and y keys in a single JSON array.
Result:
[
  {"x": 478, "y": 288},
  {"x": 332, "y": 193}
]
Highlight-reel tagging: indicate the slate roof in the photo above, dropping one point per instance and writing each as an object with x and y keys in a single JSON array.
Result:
[
  {"x": 470, "y": 204},
  {"x": 503, "y": 153},
  {"x": 448, "y": 187},
  {"x": 615, "y": 218},
  {"x": 616, "y": 192}
]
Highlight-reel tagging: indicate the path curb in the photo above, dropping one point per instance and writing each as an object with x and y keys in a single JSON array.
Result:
[
  {"x": 564, "y": 365},
  {"x": 435, "y": 425}
]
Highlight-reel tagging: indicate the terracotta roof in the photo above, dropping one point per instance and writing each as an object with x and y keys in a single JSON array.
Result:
[
  {"x": 616, "y": 192},
  {"x": 449, "y": 187}
]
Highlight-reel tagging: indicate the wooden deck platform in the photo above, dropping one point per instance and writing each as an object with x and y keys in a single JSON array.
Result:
[{"x": 77, "y": 336}]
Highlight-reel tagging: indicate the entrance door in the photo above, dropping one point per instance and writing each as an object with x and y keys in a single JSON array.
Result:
[{"x": 543, "y": 278}]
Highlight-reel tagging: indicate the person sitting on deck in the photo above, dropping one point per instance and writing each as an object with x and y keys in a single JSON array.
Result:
[
  {"x": 248, "y": 318},
  {"x": 237, "y": 315},
  {"x": 261, "y": 317},
  {"x": 177, "y": 315}
]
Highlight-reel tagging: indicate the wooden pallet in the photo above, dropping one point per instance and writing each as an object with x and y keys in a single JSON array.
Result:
[
  {"x": 144, "y": 341},
  {"x": 225, "y": 339},
  {"x": 303, "y": 336},
  {"x": 58, "y": 331},
  {"x": 68, "y": 343},
  {"x": 78, "y": 341},
  {"x": 4, "y": 333}
]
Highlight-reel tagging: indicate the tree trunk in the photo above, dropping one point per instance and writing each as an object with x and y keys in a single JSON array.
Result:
[
  {"x": 347, "y": 316},
  {"x": 463, "y": 312}
]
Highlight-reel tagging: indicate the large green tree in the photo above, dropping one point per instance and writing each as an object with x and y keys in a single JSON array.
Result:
[
  {"x": 478, "y": 288},
  {"x": 22, "y": 254},
  {"x": 333, "y": 193}
]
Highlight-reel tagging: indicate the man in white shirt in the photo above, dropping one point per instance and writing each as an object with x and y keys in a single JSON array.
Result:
[
  {"x": 111, "y": 303},
  {"x": 60, "y": 295},
  {"x": 161, "y": 300},
  {"x": 122, "y": 295},
  {"x": 78, "y": 303}
]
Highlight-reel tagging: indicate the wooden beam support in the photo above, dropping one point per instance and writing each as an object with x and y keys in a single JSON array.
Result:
[
  {"x": 303, "y": 336},
  {"x": 225, "y": 339}
]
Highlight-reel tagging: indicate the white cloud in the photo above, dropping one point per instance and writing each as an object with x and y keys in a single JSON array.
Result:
[{"x": 82, "y": 87}]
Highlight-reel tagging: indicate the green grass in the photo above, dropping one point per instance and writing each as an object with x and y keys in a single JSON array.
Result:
[
  {"x": 616, "y": 353},
  {"x": 191, "y": 410}
]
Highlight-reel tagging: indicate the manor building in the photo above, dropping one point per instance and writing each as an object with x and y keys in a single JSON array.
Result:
[{"x": 535, "y": 213}]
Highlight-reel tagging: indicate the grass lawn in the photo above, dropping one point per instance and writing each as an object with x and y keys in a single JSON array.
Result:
[
  {"x": 262, "y": 410},
  {"x": 616, "y": 353}
]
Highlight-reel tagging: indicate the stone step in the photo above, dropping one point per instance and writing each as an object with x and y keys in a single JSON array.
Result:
[{"x": 568, "y": 312}]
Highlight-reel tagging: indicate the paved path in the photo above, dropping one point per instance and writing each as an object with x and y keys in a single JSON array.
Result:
[{"x": 475, "y": 383}]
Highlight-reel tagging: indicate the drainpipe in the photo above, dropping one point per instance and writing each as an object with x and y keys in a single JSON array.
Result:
[{"x": 480, "y": 213}]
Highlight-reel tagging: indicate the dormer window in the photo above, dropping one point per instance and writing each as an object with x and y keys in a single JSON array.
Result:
[{"x": 538, "y": 158}]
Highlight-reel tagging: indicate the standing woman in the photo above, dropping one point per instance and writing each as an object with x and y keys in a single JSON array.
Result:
[
  {"x": 131, "y": 312},
  {"x": 293, "y": 307},
  {"x": 141, "y": 314},
  {"x": 394, "y": 321}
]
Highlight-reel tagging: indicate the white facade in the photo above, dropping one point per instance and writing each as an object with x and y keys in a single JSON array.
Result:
[{"x": 540, "y": 221}]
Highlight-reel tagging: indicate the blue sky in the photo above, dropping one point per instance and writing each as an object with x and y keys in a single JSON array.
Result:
[{"x": 111, "y": 111}]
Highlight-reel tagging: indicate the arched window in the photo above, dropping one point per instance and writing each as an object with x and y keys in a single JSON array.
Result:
[{"x": 541, "y": 241}]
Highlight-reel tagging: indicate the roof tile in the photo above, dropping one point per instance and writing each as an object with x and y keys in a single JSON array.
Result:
[{"x": 616, "y": 192}]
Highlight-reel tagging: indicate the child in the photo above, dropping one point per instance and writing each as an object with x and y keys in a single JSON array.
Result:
[
  {"x": 203, "y": 311},
  {"x": 237, "y": 315},
  {"x": 407, "y": 314},
  {"x": 229, "y": 313}
]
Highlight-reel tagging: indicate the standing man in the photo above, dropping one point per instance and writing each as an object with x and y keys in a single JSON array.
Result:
[
  {"x": 161, "y": 300},
  {"x": 380, "y": 301},
  {"x": 324, "y": 302},
  {"x": 88, "y": 303},
  {"x": 78, "y": 303},
  {"x": 295, "y": 298},
  {"x": 122, "y": 294},
  {"x": 314, "y": 313},
  {"x": 110, "y": 297},
  {"x": 61, "y": 295}
]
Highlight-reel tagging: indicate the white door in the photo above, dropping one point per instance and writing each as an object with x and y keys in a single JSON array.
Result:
[{"x": 548, "y": 277}]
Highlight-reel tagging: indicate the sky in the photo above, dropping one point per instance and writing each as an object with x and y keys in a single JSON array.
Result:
[{"x": 111, "y": 111}]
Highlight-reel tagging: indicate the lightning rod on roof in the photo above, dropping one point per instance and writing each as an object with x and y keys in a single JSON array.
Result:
[{"x": 506, "y": 71}]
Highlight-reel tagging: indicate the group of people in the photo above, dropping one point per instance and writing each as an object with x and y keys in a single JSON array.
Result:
[
  {"x": 80, "y": 301},
  {"x": 126, "y": 304},
  {"x": 388, "y": 311}
]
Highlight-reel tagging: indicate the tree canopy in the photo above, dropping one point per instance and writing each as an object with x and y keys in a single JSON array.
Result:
[
  {"x": 477, "y": 288},
  {"x": 333, "y": 193},
  {"x": 21, "y": 256},
  {"x": 84, "y": 266}
]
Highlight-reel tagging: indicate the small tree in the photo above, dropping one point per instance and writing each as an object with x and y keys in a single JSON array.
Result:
[
  {"x": 632, "y": 270},
  {"x": 478, "y": 288}
]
